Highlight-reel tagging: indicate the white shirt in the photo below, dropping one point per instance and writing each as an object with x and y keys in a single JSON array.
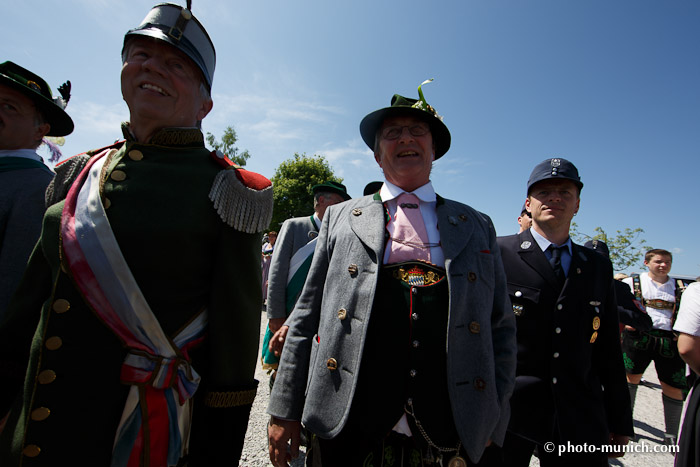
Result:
[
  {"x": 428, "y": 209},
  {"x": 652, "y": 291},
  {"x": 543, "y": 243},
  {"x": 688, "y": 320}
]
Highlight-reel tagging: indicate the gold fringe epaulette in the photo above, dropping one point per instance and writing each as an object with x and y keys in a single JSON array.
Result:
[
  {"x": 242, "y": 198},
  {"x": 66, "y": 173}
]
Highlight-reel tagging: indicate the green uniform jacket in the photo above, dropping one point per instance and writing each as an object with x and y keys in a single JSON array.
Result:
[{"x": 185, "y": 258}]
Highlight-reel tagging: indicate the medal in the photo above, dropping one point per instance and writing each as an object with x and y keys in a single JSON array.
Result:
[
  {"x": 594, "y": 336},
  {"x": 596, "y": 323},
  {"x": 457, "y": 461}
]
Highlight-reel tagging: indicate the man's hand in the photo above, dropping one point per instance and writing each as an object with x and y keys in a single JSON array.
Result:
[
  {"x": 275, "y": 324},
  {"x": 277, "y": 341},
  {"x": 618, "y": 440},
  {"x": 279, "y": 433},
  {"x": 629, "y": 328}
]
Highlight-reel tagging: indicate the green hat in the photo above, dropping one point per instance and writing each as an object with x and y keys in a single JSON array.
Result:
[
  {"x": 35, "y": 88},
  {"x": 178, "y": 27},
  {"x": 419, "y": 108},
  {"x": 332, "y": 187}
]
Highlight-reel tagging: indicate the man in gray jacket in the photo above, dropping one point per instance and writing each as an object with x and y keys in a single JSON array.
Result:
[
  {"x": 402, "y": 343},
  {"x": 28, "y": 112}
]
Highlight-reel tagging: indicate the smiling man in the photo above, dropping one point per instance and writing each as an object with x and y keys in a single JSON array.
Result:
[
  {"x": 142, "y": 303},
  {"x": 567, "y": 331},
  {"x": 397, "y": 278}
]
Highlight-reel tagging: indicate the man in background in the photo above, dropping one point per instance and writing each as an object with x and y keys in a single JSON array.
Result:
[{"x": 28, "y": 112}]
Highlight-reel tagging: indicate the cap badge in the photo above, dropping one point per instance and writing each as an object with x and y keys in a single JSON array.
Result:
[
  {"x": 555, "y": 163},
  {"x": 33, "y": 85}
]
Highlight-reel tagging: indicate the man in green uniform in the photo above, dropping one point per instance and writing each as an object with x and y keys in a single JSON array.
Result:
[{"x": 141, "y": 302}]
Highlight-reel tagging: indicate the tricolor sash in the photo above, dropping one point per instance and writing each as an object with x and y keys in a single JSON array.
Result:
[
  {"x": 161, "y": 377},
  {"x": 298, "y": 270}
]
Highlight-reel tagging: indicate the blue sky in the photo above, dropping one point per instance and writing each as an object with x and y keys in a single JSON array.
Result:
[{"x": 612, "y": 85}]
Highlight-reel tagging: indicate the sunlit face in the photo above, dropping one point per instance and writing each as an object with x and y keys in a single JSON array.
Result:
[
  {"x": 272, "y": 238},
  {"x": 407, "y": 159},
  {"x": 525, "y": 221},
  {"x": 161, "y": 86},
  {"x": 18, "y": 121},
  {"x": 324, "y": 201},
  {"x": 552, "y": 203},
  {"x": 659, "y": 265}
]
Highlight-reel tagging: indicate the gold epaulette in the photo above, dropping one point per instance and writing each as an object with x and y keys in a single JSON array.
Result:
[
  {"x": 242, "y": 198},
  {"x": 66, "y": 173},
  {"x": 222, "y": 400}
]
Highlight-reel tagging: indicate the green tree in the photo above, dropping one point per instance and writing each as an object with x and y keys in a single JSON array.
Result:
[
  {"x": 626, "y": 248},
  {"x": 292, "y": 184},
  {"x": 228, "y": 146}
]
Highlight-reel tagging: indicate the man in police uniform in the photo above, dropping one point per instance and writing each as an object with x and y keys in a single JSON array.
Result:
[
  {"x": 659, "y": 294},
  {"x": 524, "y": 220},
  {"x": 570, "y": 384},
  {"x": 28, "y": 112},
  {"x": 142, "y": 301},
  {"x": 397, "y": 278}
]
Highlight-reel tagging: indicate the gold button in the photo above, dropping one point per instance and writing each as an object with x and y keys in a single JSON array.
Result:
[
  {"x": 332, "y": 364},
  {"x": 342, "y": 313},
  {"x": 118, "y": 175},
  {"x": 357, "y": 212},
  {"x": 106, "y": 203},
  {"x": 186, "y": 14},
  {"x": 53, "y": 343},
  {"x": 61, "y": 305},
  {"x": 352, "y": 269},
  {"x": 135, "y": 155},
  {"x": 42, "y": 413},
  {"x": 31, "y": 450},
  {"x": 46, "y": 377},
  {"x": 474, "y": 327},
  {"x": 471, "y": 277}
]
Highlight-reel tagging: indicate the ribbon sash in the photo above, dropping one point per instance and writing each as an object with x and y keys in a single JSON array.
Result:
[{"x": 161, "y": 377}]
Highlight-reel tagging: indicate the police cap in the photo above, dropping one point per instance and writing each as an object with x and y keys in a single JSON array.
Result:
[{"x": 554, "y": 168}]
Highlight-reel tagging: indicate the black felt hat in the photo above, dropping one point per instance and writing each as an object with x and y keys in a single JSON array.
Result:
[
  {"x": 35, "y": 88},
  {"x": 419, "y": 108},
  {"x": 332, "y": 187},
  {"x": 178, "y": 27}
]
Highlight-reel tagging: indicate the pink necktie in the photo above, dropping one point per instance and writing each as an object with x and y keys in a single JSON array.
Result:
[{"x": 410, "y": 239}]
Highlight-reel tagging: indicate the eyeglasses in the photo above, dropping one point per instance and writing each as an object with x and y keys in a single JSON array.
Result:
[{"x": 393, "y": 132}]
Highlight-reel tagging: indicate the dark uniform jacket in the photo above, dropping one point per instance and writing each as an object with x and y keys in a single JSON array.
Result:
[
  {"x": 570, "y": 373},
  {"x": 185, "y": 258}
]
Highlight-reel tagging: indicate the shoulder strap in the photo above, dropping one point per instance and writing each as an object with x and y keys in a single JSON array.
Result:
[{"x": 637, "y": 286}]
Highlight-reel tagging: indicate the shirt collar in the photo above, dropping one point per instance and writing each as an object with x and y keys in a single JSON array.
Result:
[
  {"x": 426, "y": 193},
  {"x": 25, "y": 153},
  {"x": 544, "y": 243},
  {"x": 317, "y": 220}
]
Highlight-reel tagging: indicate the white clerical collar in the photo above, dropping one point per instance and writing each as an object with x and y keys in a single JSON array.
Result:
[
  {"x": 544, "y": 243},
  {"x": 24, "y": 153},
  {"x": 426, "y": 193}
]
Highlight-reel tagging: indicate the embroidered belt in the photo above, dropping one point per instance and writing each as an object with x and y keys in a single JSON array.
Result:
[
  {"x": 415, "y": 274},
  {"x": 660, "y": 304}
]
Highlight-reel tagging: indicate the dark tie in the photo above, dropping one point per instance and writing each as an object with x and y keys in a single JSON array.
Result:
[{"x": 555, "y": 261}]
